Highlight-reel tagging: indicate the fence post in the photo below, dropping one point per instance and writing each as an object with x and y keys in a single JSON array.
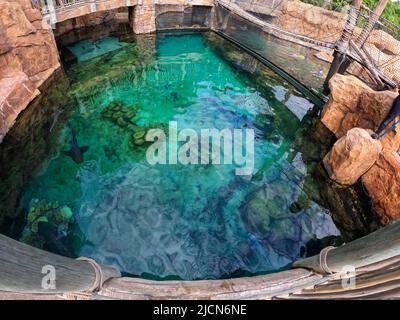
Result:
[
  {"x": 342, "y": 44},
  {"x": 372, "y": 20}
]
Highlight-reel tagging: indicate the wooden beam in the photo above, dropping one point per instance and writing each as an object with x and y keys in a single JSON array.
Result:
[
  {"x": 378, "y": 246},
  {"x": 372, "y": 20},
  {"x": 22, "y": 270},
  {"x": 257, "y": 287},
  {"x": 365, "y": 32},
  {"x": 342, "y": 45},
  {"x": 369, "y": 64}
]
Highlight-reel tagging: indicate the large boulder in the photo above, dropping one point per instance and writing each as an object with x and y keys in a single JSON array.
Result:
[
  {"x": 354, "y": 104},
  {"x": 382, "y": 182},
  {"x": 352, "y": 156}
]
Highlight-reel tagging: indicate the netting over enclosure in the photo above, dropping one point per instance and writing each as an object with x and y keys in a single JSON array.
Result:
[
  {"x": 382, "y": 46},
  {"x": 319, "y": 25}
]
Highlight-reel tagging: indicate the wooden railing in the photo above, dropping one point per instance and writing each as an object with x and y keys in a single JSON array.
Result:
[{"x": 375, "y": 258}]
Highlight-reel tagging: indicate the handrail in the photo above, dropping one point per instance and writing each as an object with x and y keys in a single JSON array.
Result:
[
  {"x": 24, "y": 269},
  {"x": 380, "y": 245}
]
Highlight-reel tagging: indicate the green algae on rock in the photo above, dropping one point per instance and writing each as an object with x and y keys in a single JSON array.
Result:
[{"x": 45, "y": 212}]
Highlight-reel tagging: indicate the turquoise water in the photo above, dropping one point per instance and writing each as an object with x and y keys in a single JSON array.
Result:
[{"x": 185, "y": 221}]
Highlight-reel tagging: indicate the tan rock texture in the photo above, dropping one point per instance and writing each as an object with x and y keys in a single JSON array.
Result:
[
  {"x": 28, "y": 55},
  {"x": 382, "y": 182},
  {"x": 352, "y": 156},
  {"x": 314, "y": 22},
  {"x": 353, "y": 104},
  {"x": 144, "y": 18},
  {"x": 326, "y": 25}
]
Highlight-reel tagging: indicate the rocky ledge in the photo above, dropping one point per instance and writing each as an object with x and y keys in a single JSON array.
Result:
[
  {"x": 354, "y": 110},
  {"x": 28, "y": 56}
]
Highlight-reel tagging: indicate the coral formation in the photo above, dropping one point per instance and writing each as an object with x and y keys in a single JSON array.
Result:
[{"x": 44, "y": 211}]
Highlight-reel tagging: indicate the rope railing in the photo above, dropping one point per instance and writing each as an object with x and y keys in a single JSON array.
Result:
[{"x": 379, "y": 40}]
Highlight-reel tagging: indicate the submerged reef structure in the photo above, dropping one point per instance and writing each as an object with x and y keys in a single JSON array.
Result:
[
  {"x": 123, "y": 116},
  {"x": 119, "y": 114},
  {"x": 47, "y": 227}
]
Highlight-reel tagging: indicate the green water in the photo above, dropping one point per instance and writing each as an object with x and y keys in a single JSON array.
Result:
[{"x": 186, "y": 221}]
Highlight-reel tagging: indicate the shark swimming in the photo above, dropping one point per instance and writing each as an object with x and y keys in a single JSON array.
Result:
[
  {"x": 76, "y": 152},
  {"x": 53, "y": 239}
]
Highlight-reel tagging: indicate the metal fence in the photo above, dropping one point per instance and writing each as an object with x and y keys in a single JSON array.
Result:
[{"x": 382, "y": 46}]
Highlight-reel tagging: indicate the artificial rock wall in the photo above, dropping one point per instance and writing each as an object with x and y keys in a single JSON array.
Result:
[
  {"x": 143, "y": 17},
  {"x": 353, "y": 104},
  {"x": 28, "y": 56}
]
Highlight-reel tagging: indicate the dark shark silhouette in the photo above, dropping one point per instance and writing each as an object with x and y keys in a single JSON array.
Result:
[
  {"x": 53, "y": 242},
  {"x": 76, "y": 152}
]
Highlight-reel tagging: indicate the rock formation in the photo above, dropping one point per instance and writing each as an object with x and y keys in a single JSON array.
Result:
[
  {"x": 327, "y": 25},
  {"x": 353, "y": 104},
  {"x": 28, "y": 56},
  {"x": 312, "y": 21},
  {"x": 382, "y": 182},
  {"x": 143, "y": 17},
  {"x": 352, "y": 156}
]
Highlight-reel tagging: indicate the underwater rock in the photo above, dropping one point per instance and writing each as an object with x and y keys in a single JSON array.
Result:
[
  {"x": 382, "y": 182},
  {"x": 139, "y": 134},
  {"x": 352, "y": 156},
  {"x": 52, "y": 241},
  {"x": 119, "y": 114},
  {"x": 138, "y": 137},
  {"x": 349, "y": 209},
  {"x": 264, "y": 206},
  {"x": 315, "y": 245},
  {"x": 303, "y": 202},
  {"x": 54, "y": 219}
]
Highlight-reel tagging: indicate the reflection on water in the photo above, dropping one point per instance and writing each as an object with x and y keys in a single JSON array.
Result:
[{"x": 175, "y": 220}]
